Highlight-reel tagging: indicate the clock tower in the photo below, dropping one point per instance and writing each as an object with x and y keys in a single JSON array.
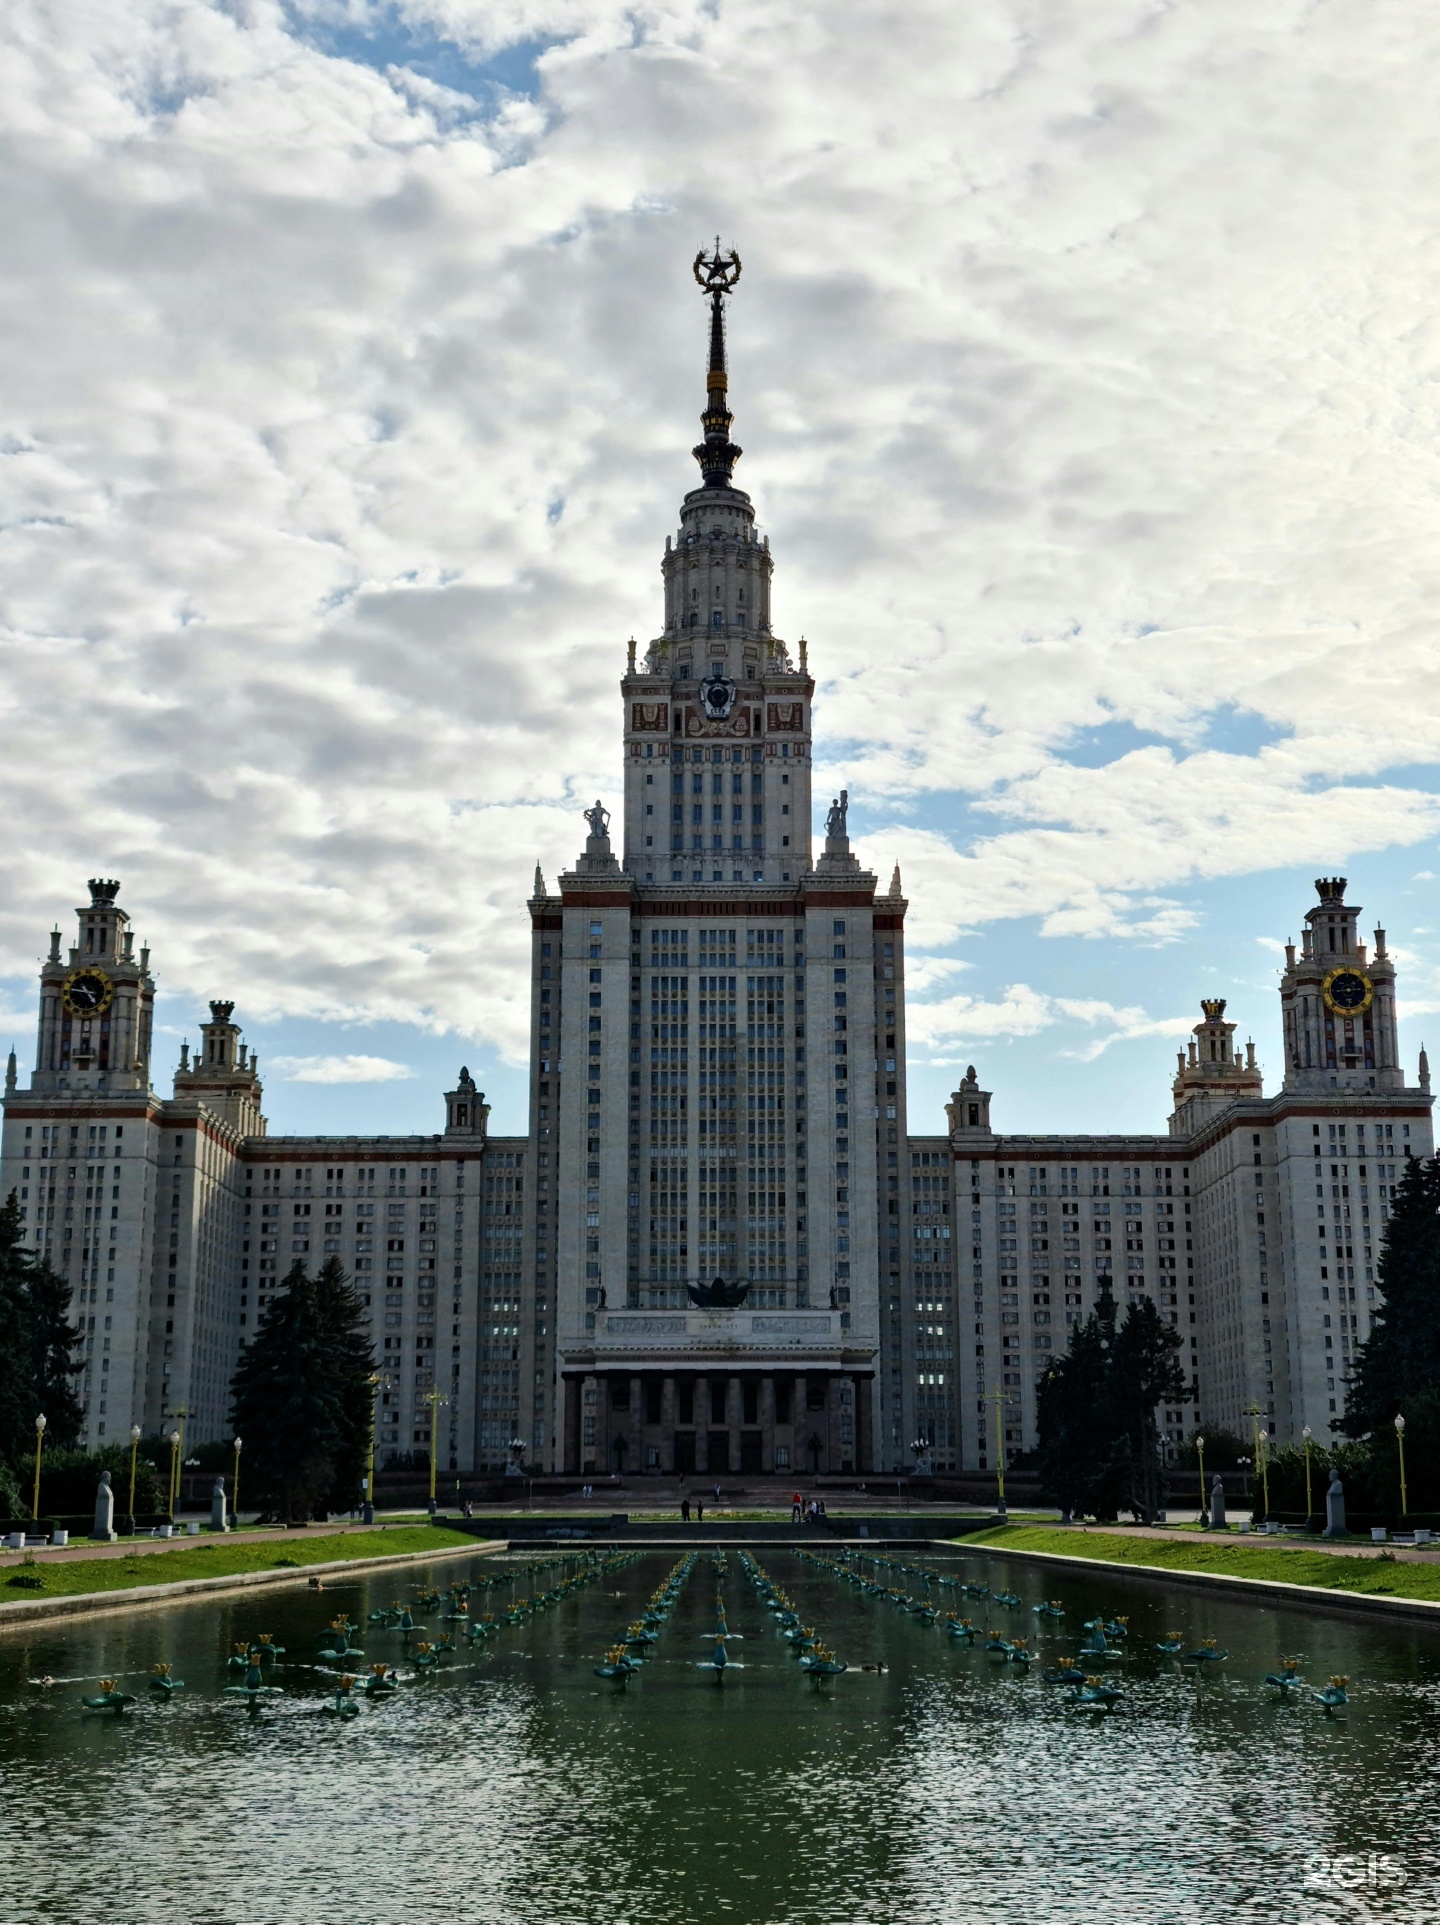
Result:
[
  {"x": 1338, "y": 1002},
  {"x": 96, "y": 1004}
]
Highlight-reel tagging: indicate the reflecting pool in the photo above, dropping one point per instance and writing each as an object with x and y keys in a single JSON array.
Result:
[{"x": 508, "y": 1783}]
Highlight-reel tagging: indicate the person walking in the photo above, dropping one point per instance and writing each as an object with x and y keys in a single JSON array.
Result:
[
  {"x": 685, "y": 1510},
  {"x": 797, "y": 1509},
  {"x": 699, "y": 1510}
]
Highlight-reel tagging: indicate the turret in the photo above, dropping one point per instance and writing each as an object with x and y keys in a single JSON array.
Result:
[
  {"x": 1210, "y": 1075},
  {"x": 467, "y": 1114},
  {"x": 225, "y": 1077},
  {"x": 969, "y": 1111}
]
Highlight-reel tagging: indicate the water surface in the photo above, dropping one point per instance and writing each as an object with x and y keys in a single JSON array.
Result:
[{"x": 518, "y": 1789}]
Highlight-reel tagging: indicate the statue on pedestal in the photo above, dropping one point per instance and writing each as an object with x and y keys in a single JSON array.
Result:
[
  {"x": 1217, "y": 1502},
  {"x": 1335, "y": 1507},
  {"x": 599, "y": 821},
  {"x": 104, "y": 1529}
]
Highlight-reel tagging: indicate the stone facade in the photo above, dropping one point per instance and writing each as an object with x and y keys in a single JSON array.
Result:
[{"x": 717, "y": 1091}]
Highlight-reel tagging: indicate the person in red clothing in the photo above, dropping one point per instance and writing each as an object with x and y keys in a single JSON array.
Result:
[{"x": 796, "y": 1509}]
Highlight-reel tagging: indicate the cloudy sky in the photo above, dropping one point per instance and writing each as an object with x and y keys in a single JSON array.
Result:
[{"x": 1085, "y": 360}]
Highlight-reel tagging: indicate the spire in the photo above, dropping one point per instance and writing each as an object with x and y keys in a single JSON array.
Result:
[
  {"x": 11, "y": 1075},
  {"x": 1424, "y": 1068},
  {"x": 539, "y": 881},
  {"x": 717, "y": 453},
  {"x": 895, "y": 888}
]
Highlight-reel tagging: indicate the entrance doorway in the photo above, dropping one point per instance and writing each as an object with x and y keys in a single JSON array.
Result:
[
  {"x": 751, "y": 1454},
  {"x": 684, "y": 1452},
  {"x": 717, "y": 1452}
]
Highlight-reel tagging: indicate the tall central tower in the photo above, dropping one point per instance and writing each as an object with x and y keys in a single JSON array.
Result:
[
  {"x": 718, "y": 1049},
  {"x": 718, "y": 699}
]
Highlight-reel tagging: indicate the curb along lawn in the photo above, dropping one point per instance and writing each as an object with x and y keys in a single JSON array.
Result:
[
  {"x": 1318, "y": 1570},
  {"x": 223, "y": 1558}
]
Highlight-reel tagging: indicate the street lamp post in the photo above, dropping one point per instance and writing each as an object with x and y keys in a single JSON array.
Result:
[
  {"x": 39, "y": 1446},
  {"x": 1254, "y": 1413},
  {"x": 999, "y": 1400},
  {"x": 177, "y": 1444},
  {"x": 1400, "y": 1441},
  {"x": 367, "y": 1510},
  {"x": 1204, "y": 1506},
  {"x": 435, "y": 1401},
  {"x": 1263, "y": 1440},
  {"x": 134, "y": 1447},
  {"x": 1309, "y": 1507},
  {"x": 235, "y": 1486}
]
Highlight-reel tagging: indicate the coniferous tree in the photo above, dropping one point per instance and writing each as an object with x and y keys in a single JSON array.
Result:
[
  {"x": 1399, "y": 1362},
  {"x": 1095, "y": 1411},
  {"x": 37, "y": 1369},
  {"x": 301, "y": 1394},
  {"x": 285, "y": 1405},
  {"x": 1073, "y": 1450},
  {"x": 351, "y": 1363},
  {"x": 1145, "y": 1373}
]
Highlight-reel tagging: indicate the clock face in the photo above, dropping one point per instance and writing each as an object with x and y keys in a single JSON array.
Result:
[
  {"x": 87, "y": 992},
  {"x": 717, "y": 698},
  {"x": 1348, "y": 991}
]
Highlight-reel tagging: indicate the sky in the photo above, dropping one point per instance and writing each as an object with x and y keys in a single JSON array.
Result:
[{"x": 1085, "y": 361}]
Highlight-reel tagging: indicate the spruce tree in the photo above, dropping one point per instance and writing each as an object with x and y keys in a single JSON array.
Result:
[
  {"x": 37, "y": 1341},
  {"x": 350, "y": 1363},
  {"x": 1399, "y": 1362},
  {"x": 1095, "y": 1411},
  {"x": 301, "y": 1394},
  {"x": 285, "y": 1403},
  {"x": 1145, "y": 1372},
  {"x": 1070, "y": 1404}
]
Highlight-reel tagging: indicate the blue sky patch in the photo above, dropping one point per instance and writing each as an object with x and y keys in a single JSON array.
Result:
[{"x": 387, "y": 39}]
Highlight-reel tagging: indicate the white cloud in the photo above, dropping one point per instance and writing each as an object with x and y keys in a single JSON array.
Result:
[
  {"x": 955, "y": 1021},
  {"x": 1084, "y": 358},
  {"x": 338, "y": 1069}
]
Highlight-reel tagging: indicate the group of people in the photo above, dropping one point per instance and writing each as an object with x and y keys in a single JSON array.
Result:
[
  {"x": 698, "y": 1507},
  {"x": 811, "y": 1513}
]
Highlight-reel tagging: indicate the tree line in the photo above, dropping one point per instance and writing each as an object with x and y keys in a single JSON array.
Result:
[{"x": 1099, "y": 1449}]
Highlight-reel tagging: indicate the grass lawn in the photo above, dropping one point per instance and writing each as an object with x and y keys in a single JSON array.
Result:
[
  {"x": 1324, "y": 1570},
  {"x": 223, "y": 1557}
]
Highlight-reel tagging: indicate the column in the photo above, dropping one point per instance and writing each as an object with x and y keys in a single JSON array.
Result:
[
  {"x": 570, "y": 1428},
  {"x": 864, "y": 1447},
  {"x": 635, "y": 1455},
  {"x": 767, "y": 1423},
  {"x": 734, "y": 1416},
  {"x": 667, "y": 1426}
]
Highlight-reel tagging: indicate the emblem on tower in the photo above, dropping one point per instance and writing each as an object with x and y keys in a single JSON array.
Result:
[
  {"x": 719, "y": 273},
  {"x": 717, "y": 697},
  {"x": 717, "y": 454}
]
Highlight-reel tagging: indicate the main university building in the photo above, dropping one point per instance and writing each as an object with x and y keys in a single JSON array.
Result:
[{"x": 717, "y": 1099}]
